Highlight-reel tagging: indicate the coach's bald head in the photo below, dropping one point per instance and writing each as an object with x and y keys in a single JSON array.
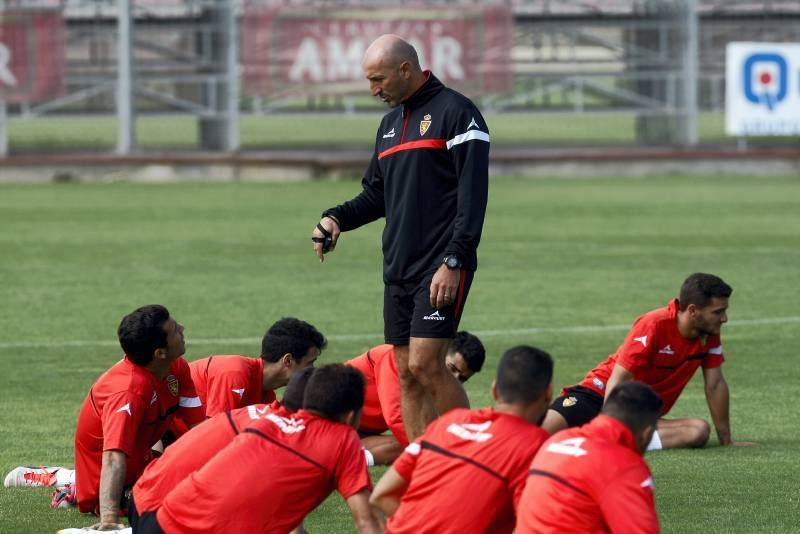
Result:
[{"x": 392, "y": 67}]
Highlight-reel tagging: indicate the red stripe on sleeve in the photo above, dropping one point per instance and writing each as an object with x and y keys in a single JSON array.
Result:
[{"x": 413, "y": 145}]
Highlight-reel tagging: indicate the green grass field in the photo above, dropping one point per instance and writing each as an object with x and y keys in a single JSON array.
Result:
[
  {"x": 60, "y": 133},
  {"x": 565, "y": 265}
]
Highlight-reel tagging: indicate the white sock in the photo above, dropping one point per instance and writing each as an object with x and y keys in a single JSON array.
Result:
[
  {"x": 65, "y": 476},
  {"x": 369, "y": 457},
  {"x": 655, "y": 443}
]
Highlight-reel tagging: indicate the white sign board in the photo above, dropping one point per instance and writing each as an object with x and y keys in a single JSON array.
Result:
[{"x": 762, "y": 95}]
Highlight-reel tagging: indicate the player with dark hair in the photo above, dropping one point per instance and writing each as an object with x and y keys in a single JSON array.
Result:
[
  {"x": 593, "y": 478},
  {"x": 429, "y": 178},
  {"x": 465, "y": 357},
  {"x": 280, "y": 468},
  {"x": 200, "y": 444},
  {"x": 663, "y": 349},
  {"x": 229, "y": 382},
  {"x": 467, "y": 471},
  {"x": 125, "y": 413}
]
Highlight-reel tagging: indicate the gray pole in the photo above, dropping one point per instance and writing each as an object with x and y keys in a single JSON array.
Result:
[
  {"x": 690, "y": 76},
  {"x": 3, "y": 129},
  {"x": 126, "y": 120},
  {"x": 232, "y": 78}
]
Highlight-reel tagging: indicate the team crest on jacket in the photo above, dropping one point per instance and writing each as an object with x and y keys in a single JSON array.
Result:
[
  {"x": 172, "y": 385},
  {"x": 569, "y": 401},
  {"x": 424, "y": 124}
]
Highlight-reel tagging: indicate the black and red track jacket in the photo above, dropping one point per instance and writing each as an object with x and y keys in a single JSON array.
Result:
[{"x": 429, "y": 176}]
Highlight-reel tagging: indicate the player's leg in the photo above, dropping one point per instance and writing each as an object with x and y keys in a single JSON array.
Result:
[
  {"x": 426, "y": 361},
  {"x": 680, "y": 433},
  {"x": 384, "y": 448},
  {"x": 576, "y": 406},
  {"x": 416, "y": 404}
]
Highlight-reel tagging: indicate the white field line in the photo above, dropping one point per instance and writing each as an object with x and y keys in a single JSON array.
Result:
[{"x": 378, "y": 337}]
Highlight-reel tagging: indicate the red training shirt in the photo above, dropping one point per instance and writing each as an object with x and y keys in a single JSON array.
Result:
[
  {"x": 382, "y": 392},
  {"x": 269, "y": 478},
  {"x": 589, "y": 479},
  {"x": 465, "y": 473},
  {"x": 658, "y": 355},
  {"x": 192, "y": 451},
  {"x": 229, "y": 382},
  {"x": 128, "y": 409}
]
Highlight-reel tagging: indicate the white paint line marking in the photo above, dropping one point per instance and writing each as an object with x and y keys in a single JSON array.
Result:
[{"x": 378, "y": 337}]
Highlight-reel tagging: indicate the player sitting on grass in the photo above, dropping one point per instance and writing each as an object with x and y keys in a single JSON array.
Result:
[
  {"x": 280, "y": 468},
  {"x": 593, "y": 478},
  {"x": 467, "y": 471},
  {"x": 200, "y": 444},
  {"x": 229, "y": 382},
  {"x": 663, "y": 349},
  {"x": 464, "y": 358},
  {"x": 125, "y": 413}
]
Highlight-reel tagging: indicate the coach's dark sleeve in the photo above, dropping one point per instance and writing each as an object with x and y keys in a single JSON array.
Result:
[
  {"x": 367, "y": 206},
  {"x": 470, "y": 148}
]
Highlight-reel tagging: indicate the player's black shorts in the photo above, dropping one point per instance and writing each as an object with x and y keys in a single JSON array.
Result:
[
  {"x": 578, "y": 405},
  {"x": 407, "y": 310}
]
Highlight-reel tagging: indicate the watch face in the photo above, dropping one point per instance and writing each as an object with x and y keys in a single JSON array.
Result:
[{"x": 452, "y": 262}]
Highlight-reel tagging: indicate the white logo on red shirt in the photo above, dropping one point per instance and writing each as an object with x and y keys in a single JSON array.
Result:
[
  {"x": 288, "y": 425},
  {"x": 257, "y": 413},
  {"x": 153, "y": 399},
  {"x": 126, "y": 408},
  {"x": 239, "y": 392},
  {"x": 642, "y": 340},
  {"x": 599, "y": 384},
  {"x": 570, "y": 447},
  {"x": 471, "y": 431},
  {"x": 667, "y": 350},
  {"x": 648, "y": 483}
]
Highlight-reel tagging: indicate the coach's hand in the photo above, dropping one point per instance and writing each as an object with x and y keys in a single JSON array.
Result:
[
  {"x": 318, "y": 236},
  {"x": 444, "y": 286}
]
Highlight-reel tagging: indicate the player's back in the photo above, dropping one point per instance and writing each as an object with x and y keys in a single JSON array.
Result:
[
  {"x": 227, "y": 382},
  {"x": 269, "y": 477},
  {"x": 192, "y": 451},
  {"x": 589, "y": 479},
  {"x": 465, "y": 472},
  {"x": 372, "y": 420}
]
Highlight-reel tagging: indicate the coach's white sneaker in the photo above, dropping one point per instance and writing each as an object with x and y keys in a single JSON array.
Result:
[{"x": 26, "y": 477}]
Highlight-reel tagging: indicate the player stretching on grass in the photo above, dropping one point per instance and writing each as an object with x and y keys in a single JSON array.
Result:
[
  {"x": 465, "y": 357},
  {"x": 467, "y": 471},
  {"x": 125, "y": 413},
  {"x": 229, "y": 382},
  {"x": 663, "y": 349}
]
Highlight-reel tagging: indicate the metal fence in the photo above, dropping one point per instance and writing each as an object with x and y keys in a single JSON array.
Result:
[{"x": 659, "y": 62}]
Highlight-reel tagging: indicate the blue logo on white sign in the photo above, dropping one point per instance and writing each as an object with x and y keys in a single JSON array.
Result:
[{"x": 765, "y": 79}]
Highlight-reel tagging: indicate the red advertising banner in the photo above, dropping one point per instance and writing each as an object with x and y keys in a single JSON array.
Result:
[
  {"x": 303, "y": 51},
  {"x": 31, "y": 54}
]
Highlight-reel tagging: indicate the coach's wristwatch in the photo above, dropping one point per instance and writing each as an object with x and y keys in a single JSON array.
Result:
[{"x": 451, "y": 261}]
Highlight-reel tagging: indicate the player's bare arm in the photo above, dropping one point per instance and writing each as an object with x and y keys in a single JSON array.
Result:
[
  {"x": 444, "y": 286},
  {"x": 388, "y": 492},
  {"x": 112, "y": 480},
  {"x": 325, "y": 235},
  {"x": 618, "y": 376},
  {"x": 718, "y": 398},
  {"x": 365, "y": 520}
]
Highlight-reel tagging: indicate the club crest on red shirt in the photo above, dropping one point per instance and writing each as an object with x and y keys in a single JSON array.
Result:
[{"x": 172, "y": 385}]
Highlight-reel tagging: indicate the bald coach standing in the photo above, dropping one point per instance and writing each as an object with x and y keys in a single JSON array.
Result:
[{"x": 428, "y": 177}]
